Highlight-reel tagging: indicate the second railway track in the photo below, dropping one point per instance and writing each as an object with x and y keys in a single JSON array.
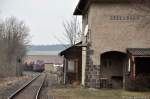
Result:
[{"x": 31, "y": 90}]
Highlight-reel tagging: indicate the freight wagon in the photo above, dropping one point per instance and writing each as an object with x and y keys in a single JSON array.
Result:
[{"x": 38, "y": 66}]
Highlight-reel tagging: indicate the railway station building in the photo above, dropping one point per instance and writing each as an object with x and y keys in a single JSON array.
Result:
[{"x": 115, "y": 45}]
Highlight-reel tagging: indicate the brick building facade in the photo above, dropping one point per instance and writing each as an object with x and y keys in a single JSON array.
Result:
[{"x": 110, "y": 29}]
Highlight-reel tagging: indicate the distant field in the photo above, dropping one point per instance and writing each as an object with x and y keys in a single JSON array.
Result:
[
  {"x": 47, "y": 47},
  {"x": 43, "y": 52}
]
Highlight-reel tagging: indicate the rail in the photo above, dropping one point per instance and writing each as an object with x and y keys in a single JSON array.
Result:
[
  {"x": 38, "y": 92},
  {"x": 24, "y": 86}
]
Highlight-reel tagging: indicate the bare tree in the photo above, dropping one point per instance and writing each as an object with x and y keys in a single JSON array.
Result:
[
  {"x": 13, "y": 41},
  {"x": 72, "y": 29}
]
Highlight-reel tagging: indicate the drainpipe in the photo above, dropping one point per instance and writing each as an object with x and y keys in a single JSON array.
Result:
[
  {"x": 84, "y": 49},
  {"x": 84, "y": 53}
]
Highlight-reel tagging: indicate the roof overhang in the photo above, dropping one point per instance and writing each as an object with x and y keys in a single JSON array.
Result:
[
  {"x": 80, "y": 6},
  {"x": 79, "y": 10},
  {"x": 139, "y": 51},
  {"x": 73, "y": 46}
]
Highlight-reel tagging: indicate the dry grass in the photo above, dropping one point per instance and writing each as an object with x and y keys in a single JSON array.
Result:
[
  {"x": 11, "y": 80},
  {"x": 85, "y": 93}
]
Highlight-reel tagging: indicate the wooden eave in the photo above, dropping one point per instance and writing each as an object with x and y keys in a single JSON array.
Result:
[{"x": 70, "y": 48}]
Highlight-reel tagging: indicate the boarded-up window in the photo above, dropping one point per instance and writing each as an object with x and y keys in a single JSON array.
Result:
[{"x": 71, "y": 66}]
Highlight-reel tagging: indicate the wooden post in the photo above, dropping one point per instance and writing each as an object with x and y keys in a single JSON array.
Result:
[
  {"x": 76, "y": 69},
  {"x": 65, "y": 69}
]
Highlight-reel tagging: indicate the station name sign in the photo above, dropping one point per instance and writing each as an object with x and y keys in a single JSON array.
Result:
[{"x": 128, "y": 17}]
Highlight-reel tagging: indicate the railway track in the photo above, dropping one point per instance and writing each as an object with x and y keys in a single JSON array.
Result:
[{"x": 31, "y": 90}]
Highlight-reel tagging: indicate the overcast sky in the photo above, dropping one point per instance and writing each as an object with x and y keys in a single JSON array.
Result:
[{"x": 43, "y": 17}]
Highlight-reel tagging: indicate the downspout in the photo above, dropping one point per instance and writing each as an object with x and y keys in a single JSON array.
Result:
[{"x": 84, "y": 50}]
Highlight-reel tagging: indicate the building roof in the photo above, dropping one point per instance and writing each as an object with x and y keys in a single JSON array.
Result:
[
  {"x": 82, "y": 4},
  {"x": 73, "y": 46},
  {"x": 139, "y": 51},
  {"x": 79, "y": 8}
]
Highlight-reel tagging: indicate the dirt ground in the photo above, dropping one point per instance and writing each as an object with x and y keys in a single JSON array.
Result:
[
  {"x": 53, "y": 90},
  {"x": 10, "y": 80}
]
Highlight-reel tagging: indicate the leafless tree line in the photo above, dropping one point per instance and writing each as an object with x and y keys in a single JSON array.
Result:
[
  {"x": 72, "y": 29},
  {"x": 13, "y": 41}
]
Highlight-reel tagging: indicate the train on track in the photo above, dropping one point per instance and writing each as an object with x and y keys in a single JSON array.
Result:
[{"x": 37, "y": 66}]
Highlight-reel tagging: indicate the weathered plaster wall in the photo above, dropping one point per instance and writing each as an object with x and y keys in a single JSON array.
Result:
[
  {"x": 108, "y": 34},
  {"x": 116, "y": 35}
]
